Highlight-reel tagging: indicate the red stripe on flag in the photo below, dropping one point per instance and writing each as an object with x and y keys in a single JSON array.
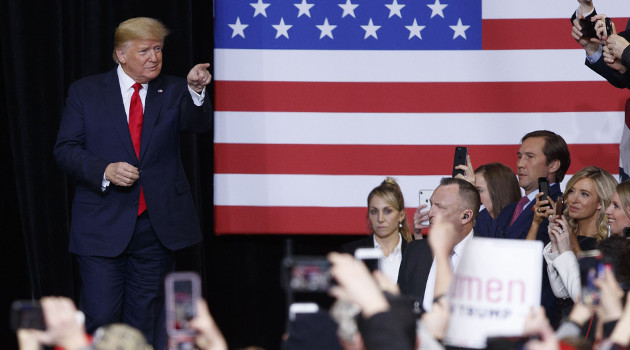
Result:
[
  {"x": 295, "y": 220},
  {"x": 532, "y": 34},
  {"x": 383, "y": 159},
  {"x": 418, "y": 97}
]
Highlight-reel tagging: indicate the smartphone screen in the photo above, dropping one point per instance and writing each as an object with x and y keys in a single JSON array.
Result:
[
  {"x": 309, "y": 274},
  {"x": 26, "y": 314},
  {"x": 459, "y": 159},
  {"x": 591, "y": 268},
  {"x": 183, "y": 289}
]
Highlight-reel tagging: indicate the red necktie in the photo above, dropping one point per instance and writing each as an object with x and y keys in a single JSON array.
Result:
[
  {"x": 519, "y": 208},
  {"x": 135, "y": 129}
]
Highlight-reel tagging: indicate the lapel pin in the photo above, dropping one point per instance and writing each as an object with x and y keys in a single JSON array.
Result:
[{"x": 160, "y": 90}]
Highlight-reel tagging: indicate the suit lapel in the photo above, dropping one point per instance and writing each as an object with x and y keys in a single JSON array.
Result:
[
  {"x": 153, "y": 105},
  {"x": 116, "y": 111}
]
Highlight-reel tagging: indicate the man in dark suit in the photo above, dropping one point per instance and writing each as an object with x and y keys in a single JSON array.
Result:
[
  {"x": 542, "y": 154},
  {"x": 119, "y": 139},
  {"x": 457, "y": 202},
  {"x": 613, "y": 70}
]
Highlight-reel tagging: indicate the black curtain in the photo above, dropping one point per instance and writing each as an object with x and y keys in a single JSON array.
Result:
[{"x": 44, "y": 46}]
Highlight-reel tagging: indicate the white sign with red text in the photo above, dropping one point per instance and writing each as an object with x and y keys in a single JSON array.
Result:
[{"x": 494, "y": 287}]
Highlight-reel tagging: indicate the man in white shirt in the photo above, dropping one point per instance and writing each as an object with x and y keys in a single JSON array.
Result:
[{"x": 457, "y": 202}]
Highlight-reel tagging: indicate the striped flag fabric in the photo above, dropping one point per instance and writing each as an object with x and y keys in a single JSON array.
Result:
[{"x": 317, "y": 101}]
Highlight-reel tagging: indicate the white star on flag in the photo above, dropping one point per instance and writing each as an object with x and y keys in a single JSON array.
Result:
[
  {"x": 437, "y": 9},
  {"x": 370, "y": 30},
  {"x": 348, "y": 9},
  {"x": 260, "y": 7},
  {"x": 394, "y": 9},
  {"x": 326, "y": 29},
  {"x": 305, "y": 8},
  {"x": 282, "y": 29},
  {"x": 238, "y": 28},
  {"x": 415, "y": 29},
  {"x": 460, "y": 29}
]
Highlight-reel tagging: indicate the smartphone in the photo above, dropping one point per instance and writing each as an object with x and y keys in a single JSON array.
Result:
[
  {"x": 308, "y": 273},
  {"x": 182, "y": 290},
  {"x": 461, "y": 154},
  {"x": 297, "y": 309},
  {"x": 626, "y": 232},
  {"x": 27, "y": 314},
  {"x": 425, "y": 198},
  {"x": 543, "y": 186},
  {"x": 370, "y": 256},
  {"x": 560, "y": 206},
  {"x": 588, "y": 27},
  {"x": 591, "y": 268}
]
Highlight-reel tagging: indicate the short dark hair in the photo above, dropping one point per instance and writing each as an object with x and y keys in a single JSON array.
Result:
[
  {"x": 555, "y": 148},
  {"x": 468, "y": 194}
]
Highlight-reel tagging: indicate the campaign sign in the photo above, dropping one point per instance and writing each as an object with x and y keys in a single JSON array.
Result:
[{"x": 494, "y": 287}]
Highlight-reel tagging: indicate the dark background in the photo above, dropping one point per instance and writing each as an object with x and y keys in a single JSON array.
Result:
[{"x": 44, "y": 46}]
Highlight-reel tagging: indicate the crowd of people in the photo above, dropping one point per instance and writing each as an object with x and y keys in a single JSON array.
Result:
[{"x": 588, "y": 216}]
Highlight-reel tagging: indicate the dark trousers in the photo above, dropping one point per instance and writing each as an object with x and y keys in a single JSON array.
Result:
[{"x": 129, "y": 288}]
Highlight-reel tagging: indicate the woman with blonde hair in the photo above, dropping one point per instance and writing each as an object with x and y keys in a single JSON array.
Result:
[
  {"x": 581, "y": 227},
  {"x": 618, "y": 211},
  {"x": 388, "y": 225}
]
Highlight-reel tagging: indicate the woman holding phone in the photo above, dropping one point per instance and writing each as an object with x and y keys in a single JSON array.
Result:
[
  {"x": 581, "y": 226},
  {"x": 388, "y": 225}
]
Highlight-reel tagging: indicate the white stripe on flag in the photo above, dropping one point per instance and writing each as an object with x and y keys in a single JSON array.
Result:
[
  {"x": 507, "y": 9},
  {"x": 368, "y": 128},
  {"x": 402, "y": 66}
]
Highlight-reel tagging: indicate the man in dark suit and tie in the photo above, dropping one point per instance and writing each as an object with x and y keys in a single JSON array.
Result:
[
  {"x": 119, "y": 139},
  {"x": 542, "y": 154},
  {"x": 457, "y": 202}
]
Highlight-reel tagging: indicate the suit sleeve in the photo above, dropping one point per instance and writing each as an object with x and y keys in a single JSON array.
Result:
[
  {"x": 70, "y": 148},
  {"x": 616, "y": 79},
  {"x": 486, "y": 226},
  {"x": 197, "y": 119},
  {"x": 600, "y": 67}
]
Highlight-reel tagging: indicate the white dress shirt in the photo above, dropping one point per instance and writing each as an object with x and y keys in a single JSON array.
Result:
[
  {"x": 456, "y": 256},
  {"x": 389, "y": 265},
  {"x": 126, "y": 90}
]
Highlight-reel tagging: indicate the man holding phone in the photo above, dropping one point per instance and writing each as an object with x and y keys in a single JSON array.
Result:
[
  {"x": 458, "y": 202},
  {"x": 542, "y": 154},
  {"x": 584, "y": 22}
]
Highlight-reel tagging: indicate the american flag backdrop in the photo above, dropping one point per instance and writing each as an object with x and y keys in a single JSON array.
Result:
[{"x": 317, "y": 101}]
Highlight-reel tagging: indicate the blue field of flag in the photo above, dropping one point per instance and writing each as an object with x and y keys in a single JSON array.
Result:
[{"x": 348, "y": 24}]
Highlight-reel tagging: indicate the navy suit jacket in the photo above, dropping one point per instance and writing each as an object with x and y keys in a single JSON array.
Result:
[
  {"x": 414, "y": 269},
  {"x": 486, "y": 226},
  {"x": 94, "y": 133}
]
